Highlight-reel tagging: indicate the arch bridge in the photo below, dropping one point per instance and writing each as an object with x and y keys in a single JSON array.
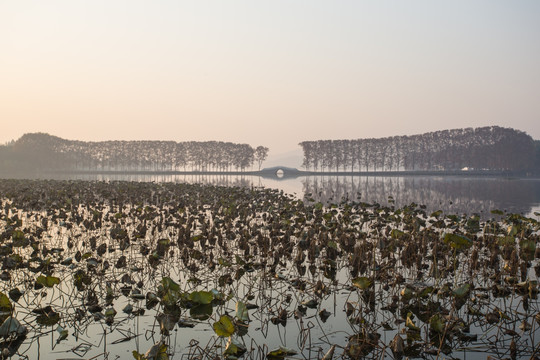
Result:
[{"x": 280, "y": 172}]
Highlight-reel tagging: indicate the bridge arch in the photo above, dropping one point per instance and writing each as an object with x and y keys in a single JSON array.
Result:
[{"x": 280, "y": 172}]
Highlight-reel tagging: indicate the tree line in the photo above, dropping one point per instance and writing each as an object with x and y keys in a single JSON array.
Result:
[
  {"x": 40, "y": 151},
  {"x": 492, "y": 148}
]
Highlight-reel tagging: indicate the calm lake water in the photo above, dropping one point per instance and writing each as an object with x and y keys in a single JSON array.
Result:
[
  {"x": 93, "y": 338},
  {"x": 451, "y": 194}
]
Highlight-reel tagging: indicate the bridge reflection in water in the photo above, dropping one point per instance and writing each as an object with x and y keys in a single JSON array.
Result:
[{"x": 281, "y": 173}]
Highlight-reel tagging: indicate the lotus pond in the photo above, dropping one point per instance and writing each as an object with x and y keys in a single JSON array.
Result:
[{"x": 120, "y": 270}]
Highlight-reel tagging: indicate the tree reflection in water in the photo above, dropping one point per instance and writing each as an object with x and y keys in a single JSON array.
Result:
[{"x": 456, "y": 195}]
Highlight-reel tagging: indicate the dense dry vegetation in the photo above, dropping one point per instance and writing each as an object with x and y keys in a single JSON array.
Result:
[{"x": 163, "y": 271}]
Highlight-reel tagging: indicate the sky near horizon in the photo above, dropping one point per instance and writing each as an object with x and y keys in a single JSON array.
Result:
[{"x": 270, "y": 73}]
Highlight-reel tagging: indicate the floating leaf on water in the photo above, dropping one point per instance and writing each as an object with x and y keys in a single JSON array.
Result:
[
  {"x": 234, "y": 348},
  {"x": 397, "y": 234},
  {"x": 436, "y": 214},
  {"x": 437, "y": 323},
  {"x": 167, "y": 322},
  {"x": 137, "y": 296},
  {"x": 185, "y": 323},
  {"x": 513, "y": 230},
  {"x": 407, "y": 293},
  {"x": 156, "y": 352},
  {"x": 201, "y": 312},
  {"x": 412, "y": 336},
  {"x": 474, "y": 311},
  {"x": 63, "y": 334},
  {"x": 201, "y": 297},
  {"x": 425, "y": 292},
  {"x": 242, "y": 312},
  {"x": 164, "y": 242},
  {"x": 48, "y": 281},
  {"x": 332, "y": 245},
  {"x": 361, "y": 344},
  {"x": 473, "y": 224},
  {"x": 312, "y": 304},
  {"x": 324, "y": 315},
  {"x": 506, "y": 240},
  {"x": 49, "y": 319},
  {"x": 280, "y": 353},
  {"x": 493, "y": 317},
  {"x": 15, "y": 294},
  {"x": 528, "y": 247},
  {"x": 224, "y": 327},
  {"x": 218, "y": 295},
  {"x": 110, "y": 312},
  {"x": 497, "y": 212},
  {"x": 80, "y": 279},
  {"x": 456, "y": 241},
  {"x": 12, "y": 326},
  {"x": 462, "y": 291},
  {"x": 5, "y": 304},
  {"x": 151, "y": 300},
  {"x": 362, "y": 282}
]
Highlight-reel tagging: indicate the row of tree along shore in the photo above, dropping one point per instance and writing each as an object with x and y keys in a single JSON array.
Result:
[
  {"x": 487, "y": 150},
  {"x": 44, "y": 152}
]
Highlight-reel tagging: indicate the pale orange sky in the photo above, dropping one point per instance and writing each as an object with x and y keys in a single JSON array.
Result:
[{"x": 270, "y": 73}]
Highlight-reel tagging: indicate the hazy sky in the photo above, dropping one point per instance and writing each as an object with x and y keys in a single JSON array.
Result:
[{"x": 268, "y": 73}]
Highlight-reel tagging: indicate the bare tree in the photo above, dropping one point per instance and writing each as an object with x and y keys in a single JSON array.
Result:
[{"x": 261, "y": 153}]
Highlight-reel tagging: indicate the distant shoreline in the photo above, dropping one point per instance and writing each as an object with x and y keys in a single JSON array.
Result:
[{"x": 287, "y": 173}]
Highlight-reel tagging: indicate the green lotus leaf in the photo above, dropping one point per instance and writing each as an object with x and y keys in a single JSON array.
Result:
[
  {"x": 397, "y": 234},
  {"x": 280, "y": 353},
  {"x": 362, "y": 282},
  {"x": 234, "y": 348},
  {"x": 224, "y": 327},
  {"x": 462, "y": 291},
  {"x": 49, "y": 319},
  {"x": 201, "y": 312},
  {"x": 48, "y": 281},
  {"x": 506, "y": 240},
  {"x": 5, "y": 303},
  {"x": 242, "y": 312},
  {"x": 437, "y": 323},
  {"x": 513, "y": 230},
  {"x": 456, "y": 241},
  {"x": 201, "y": 297},
  {"x": 169, "y": 284}
]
